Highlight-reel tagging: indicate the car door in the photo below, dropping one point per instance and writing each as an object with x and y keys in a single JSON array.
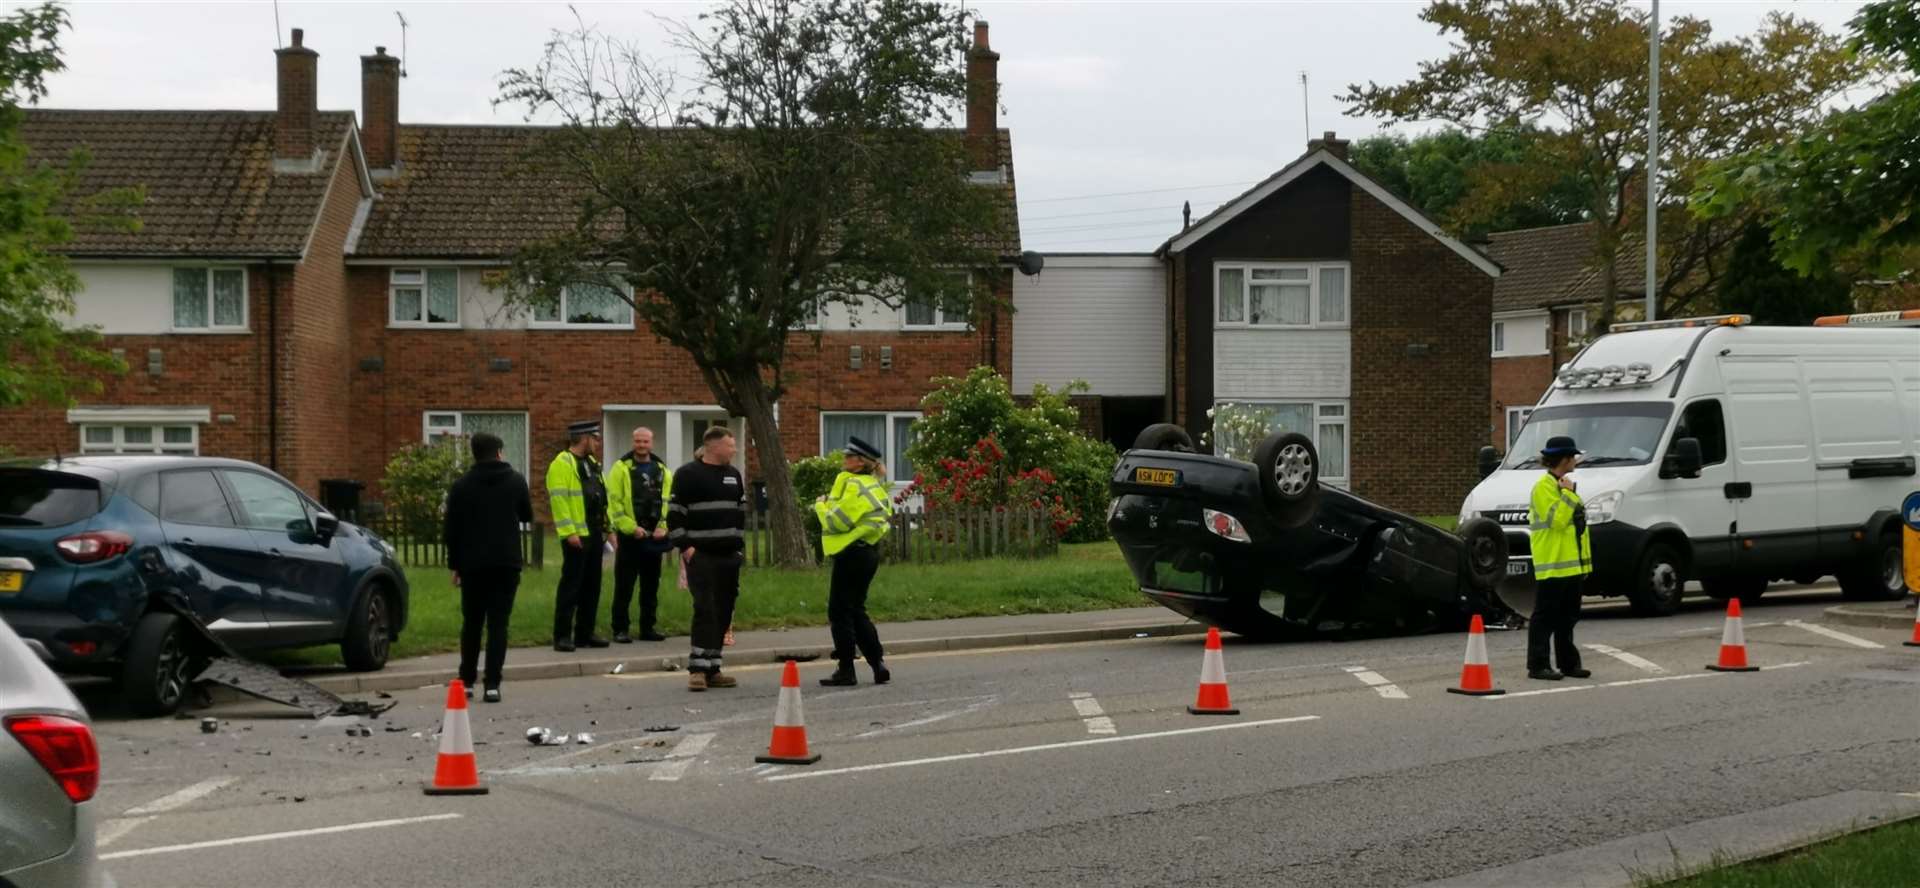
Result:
[
  {"x": 304, "y": 595},
  {"x": 1770, "y": 428},
  {"x": 1706, "y": 507},
  {"x": 213, "y": 560}
]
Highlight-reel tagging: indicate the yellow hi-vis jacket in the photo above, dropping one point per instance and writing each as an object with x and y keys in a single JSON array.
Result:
[
  {"x": 621, "y": 511},
  {"x": 568, "y": 499},
  {"x": 1559, "y": 549},
  {"x": 857, "y": 511}
]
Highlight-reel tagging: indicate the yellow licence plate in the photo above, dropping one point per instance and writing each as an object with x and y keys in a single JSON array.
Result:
[
  {"x": 12, "y": 581},
  {"x": 1156, "y": 477}
]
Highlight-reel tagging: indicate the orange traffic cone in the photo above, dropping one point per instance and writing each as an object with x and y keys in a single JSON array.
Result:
[
  {"x": 455, "y": 773},
  {"x": 1212, "y": 698},
  {"x": 1915, "y": 643},
  {"x": 1733, "y": 643},
  {"x": 1476, "y": 677},
  {"x": 789, "y": 746}
]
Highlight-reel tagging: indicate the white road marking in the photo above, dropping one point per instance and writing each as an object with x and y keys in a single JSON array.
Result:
[
  {"x": 1629, "y": 682},
  {"x": 1709, "y": 630},
  {"x": 1634, "y": 660},
  {"x": 681, "y": 757},
  {"x": 1090, "y": 712},
  {"x": 1070, "y": 744},
  {"x": 269, "y": 837},
  {"x": 976, "y": 706},
  {"x": 1376, "y": 681},
  {"x": 185, "y": 796},
  {"x": 1836, "y": 635},
  {"x": 114, "y": 830}
]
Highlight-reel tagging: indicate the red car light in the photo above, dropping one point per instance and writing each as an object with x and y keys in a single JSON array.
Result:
[
  {"x": 64, "y": 747},
  {"x": 93, "y": 546}
]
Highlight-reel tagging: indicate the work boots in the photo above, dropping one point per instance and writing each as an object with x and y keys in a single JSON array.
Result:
[
  {"x": 696, "y": 681},
  {"x": 842, "y": 677},
  {"x": 881, "y": 675}
]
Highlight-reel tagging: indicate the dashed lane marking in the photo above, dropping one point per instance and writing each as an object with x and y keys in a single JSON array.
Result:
[
  {"x": 1567, "y": 689},
  {"x": 1377, "y": 682},
  {"x": 1634, "y": 660},
  {"x": 976, "y": 706},
  {"x": 1836, "y": 635},
  {"x": 1095, "y": 717},
  {"x": 116, "y": 829},
  {"x": 269, "y": 837},
  {"x": 681, "y": 757}
]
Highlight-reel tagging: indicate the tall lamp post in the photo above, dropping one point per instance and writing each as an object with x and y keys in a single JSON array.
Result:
[{"x": 1653, "y": 159}]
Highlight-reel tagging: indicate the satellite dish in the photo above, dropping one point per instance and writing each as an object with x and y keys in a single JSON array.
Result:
[{"x": 1031, "y": 263}]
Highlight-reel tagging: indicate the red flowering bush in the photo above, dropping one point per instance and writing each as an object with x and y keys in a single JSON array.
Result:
[{"x": 984, "y": 479}]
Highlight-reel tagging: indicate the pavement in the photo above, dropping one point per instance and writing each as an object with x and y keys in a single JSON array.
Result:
[
  {"x": 1881, "y": 614},
  {"x": 1054, "y": 763}
]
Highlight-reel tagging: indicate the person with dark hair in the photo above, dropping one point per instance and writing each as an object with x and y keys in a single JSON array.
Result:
[
  {"x": 579, "y": 500},
  {"x": 486, "y": 508},
  {"x": 707, "y": 521},
  {"x": 1562, "y": 559},
  {"x": 854, "y": 518}
]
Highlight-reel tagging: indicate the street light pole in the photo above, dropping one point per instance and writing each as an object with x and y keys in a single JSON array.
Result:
[{"x": 1653, "y": 159}]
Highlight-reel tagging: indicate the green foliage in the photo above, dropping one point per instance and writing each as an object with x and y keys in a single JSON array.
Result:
[
  {"x": 416, "y": 484},
  {"x": 813, "y": 475},
  {"x": 961, "y": 412},
  {"x": 41, "y": 359},
  {"x": 1758, "y": 285},
  {"x": 1438, "y": 171}
]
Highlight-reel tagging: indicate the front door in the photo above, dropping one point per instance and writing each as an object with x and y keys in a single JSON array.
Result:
[
  {"x": 305, "y": 595},
  {"x": 213, "y": 559}
]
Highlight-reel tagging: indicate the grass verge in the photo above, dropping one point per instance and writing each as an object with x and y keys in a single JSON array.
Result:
[{"x": 1889, "y": 855}]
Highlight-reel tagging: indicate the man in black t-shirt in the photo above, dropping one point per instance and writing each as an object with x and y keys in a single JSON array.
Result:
[{"x": 707, "y": 521}]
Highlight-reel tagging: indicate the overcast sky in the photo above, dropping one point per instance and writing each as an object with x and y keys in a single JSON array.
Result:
[{"x": 1187, "y": 100}]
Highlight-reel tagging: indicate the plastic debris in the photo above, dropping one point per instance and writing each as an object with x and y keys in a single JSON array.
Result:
[
  {"x": 584, "y": 739},
  {"x": 617, "y": 669},
  {"x": 416, "y": 735},
  {"x": 1140, "y": 635},
  {"x": 299, "y": 798},
  {"x": 662, "y": 729},
  {"x": 209, "y": 725},
  {"x": 395, "y": 729},
  {"x": 559, "y": 740},
  {"x": 359, "y": 731},
  {"x": 669, "y": 666},
  {"x": 538, "y": 736}
]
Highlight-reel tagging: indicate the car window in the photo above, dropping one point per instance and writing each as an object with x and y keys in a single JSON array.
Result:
[
  {"x": 33, "y": 498},
  {"x": 193, "y": 496},
  {"x": 145, "y": 490},
  {"x": 267, "y": 504},
  {"x": 1705, "y": 421}
]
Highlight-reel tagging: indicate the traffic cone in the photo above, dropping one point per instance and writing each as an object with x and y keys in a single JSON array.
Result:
[
  {"x": 1476, "y": 677},
  {"x": 1733, "y": 643},
  {"x": 455, "y": 772},
  {"x": 789, "y": 745},
  {"x": 1915, "y": 643},
  {"x": 1212, "y": 698}
]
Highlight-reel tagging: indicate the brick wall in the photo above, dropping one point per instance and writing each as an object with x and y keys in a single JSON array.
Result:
[
  {"x": 1516, "y": 382},
  {"x": 315, "y": 365}
]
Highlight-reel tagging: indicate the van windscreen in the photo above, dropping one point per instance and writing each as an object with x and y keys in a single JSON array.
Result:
[
  {"x": 35, "y": 498},
  {"x": 1622, "y": 434}
]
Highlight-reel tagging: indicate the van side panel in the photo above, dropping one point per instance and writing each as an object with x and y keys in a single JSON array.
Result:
[
  {"x": 1857, "y": 414},
  {"x": 1772, "y": 442}
]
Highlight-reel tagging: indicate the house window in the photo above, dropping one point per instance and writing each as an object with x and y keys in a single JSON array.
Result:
[
  {"x": 1577, "y": 326},
  {"x": 424, "y": 297},
  {"x": 1326, "y": 422},
  {"x": 1296, "y": 295},
  {"x": 453, "y": 426},
  {"x": 1516, "y": 418},
  {"x": 181, "y": 439},
  {"x": 923, "y": 313},
  {"x": 1499, "y": 338},
  {"x": 585, "y": 305},
  {"x": 808, "y": 317},
  {"x": 206, "y": 299},
  {"x": 893, "y": 433}
]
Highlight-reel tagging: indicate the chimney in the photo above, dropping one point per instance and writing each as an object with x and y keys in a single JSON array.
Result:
[
  {"x": 983, "y": 103},
  {"x": 380, "y": 109},
  {"x": 1335, "y": 145},
  {"x": 293, "y": 125}
]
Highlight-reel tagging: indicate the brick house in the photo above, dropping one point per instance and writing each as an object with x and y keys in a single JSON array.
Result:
[{"x": 312, "y": 292}]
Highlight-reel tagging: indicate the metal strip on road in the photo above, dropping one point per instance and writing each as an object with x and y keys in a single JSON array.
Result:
[
  {"x": 1566, "y": 689},
  {"x": 269, "y": 837},
  {"x": 1378, "y": 682},
  {"x": 1634, "y": 660},
  {"x": 1070, "y": 744},
  {"x": 1836, "y": 635}
]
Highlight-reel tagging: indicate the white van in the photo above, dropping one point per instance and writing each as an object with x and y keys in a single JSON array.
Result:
[{"x": 1729, "y": 454}]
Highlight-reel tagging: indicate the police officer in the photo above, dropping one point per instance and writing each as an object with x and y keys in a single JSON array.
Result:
[
  {"x": 853, "y": 519},
  {"x": 579, "y": 501},
  {"x": 1562, "y": 559},
  {"x": 638, "y": 486}
]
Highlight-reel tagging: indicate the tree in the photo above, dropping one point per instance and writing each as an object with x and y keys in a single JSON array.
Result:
[
  {"x": 799, "y": 171},
  {"x": 1758, "y": 285},
  {"x": 1847, "y": 191},
  {"x": 1577, "y": 70},
  {"x": 1438, "y": 171},
  {"x": 46, "y": 360}
]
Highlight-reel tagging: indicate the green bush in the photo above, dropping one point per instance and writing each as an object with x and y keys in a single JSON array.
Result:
[
  {"x": 416, "y": 484},
  {"x": 813, "y": 475}
]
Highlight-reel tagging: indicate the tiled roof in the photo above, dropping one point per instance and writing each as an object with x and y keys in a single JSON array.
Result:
[
  {"x": 210, "y": 185},
  {"x": 1555, "y": 266},
  {"x": 465, "y": 192}
]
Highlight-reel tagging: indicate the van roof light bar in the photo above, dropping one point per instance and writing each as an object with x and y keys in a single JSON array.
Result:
[
  {"x": 1907, "y": 318},
  {"x": 1729, "y": 320}
]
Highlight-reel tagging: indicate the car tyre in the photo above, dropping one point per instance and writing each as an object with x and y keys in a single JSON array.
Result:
[
  {"x": 1486, "y": 545},
  {"x": 1876, "y": 576},
  {"x": 158, "y": 666},
  {"x": 369, "y": 631},
  {"x": 1747, "y": 589},
  {"x": 1288, "y": 466},
  {"x": 1164, "y": 436},
  {"x": 1659, "y": 582}
]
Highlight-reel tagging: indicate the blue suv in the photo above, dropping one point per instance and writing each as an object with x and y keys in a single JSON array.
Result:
[{"x": 102, "y": 557}]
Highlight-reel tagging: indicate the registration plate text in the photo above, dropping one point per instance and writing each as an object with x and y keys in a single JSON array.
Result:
[
  {"x": 1519, "y": 568},
  {"x": 11, "y": 581},
  {"x": 1156, "y": 477}
]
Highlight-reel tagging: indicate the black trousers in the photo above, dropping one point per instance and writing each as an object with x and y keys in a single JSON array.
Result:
[
  {"x": 853, "y": 571},
  {"x": 577, "y": 600},
  {"x": 486, "y": 601},
  {"x": 1556, "y": 607},
  {"x": 714, "y": 581},
  {"x": 632, "y": 560}
]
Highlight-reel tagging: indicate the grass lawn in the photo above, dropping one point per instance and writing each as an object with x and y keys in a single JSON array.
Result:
[
  {"x": 1083, "y": 577},
  {"x": 1887, "y": 856},
  {"x": 1444, "y": 522}
]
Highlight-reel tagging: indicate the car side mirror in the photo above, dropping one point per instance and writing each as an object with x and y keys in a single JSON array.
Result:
[
  {"x": 325, "y": 525},
  {"x": 1489, "y": 461},
  {"x": 1683, "y": 460}
]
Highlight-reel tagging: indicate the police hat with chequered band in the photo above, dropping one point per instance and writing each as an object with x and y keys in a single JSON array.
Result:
[
  {"x": 583, "y": 427},
  {"x": 858, "y": 447}
]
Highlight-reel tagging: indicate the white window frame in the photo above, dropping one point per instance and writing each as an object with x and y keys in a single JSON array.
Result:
[
  {"x": 1516, "y": 417},
  {"x": 808, "y": 326},
  {"x": 422, "y": 275},
  {"x": 156, "y": 444},
  {"x": 1312, "y": 269},
  {"x": 428, "y": 431},
  {"x": 533, "y": 318},
  {"x": 1499, "y": 339},
  {"x": 246, "y": 300},
  {"x": 1345, "y": 419},
  {"x": 891, "y": 448},
  {"x": 941, "y": 322},
  {"x": 1585, "y": 332}
]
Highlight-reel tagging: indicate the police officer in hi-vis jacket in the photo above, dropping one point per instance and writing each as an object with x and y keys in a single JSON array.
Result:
[
  {"x": 1562, "y": 559},
  {"x": 854, "y": 518}
]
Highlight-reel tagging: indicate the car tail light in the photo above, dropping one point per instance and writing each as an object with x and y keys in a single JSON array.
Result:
[
  {"x": 94, "y": 545},
  {"x": 64, "y": 747},
  {"x": 1225, "y": 525}
]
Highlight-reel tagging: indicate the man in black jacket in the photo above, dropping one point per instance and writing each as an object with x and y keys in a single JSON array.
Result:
[
  {"x": 485, "y": 511},
  {"x": 707, "y": 520}
]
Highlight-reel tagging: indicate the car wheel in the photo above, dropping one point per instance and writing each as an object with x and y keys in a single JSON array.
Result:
[
  {"x": 1747, "y": 589},
  {"x": 1164, "y": 436},
  {"x": 155, "y": 674},
  {"x": 1486, "y": 544},
  {"x": 1878, "y": 575},
  {"x": 369, "y": 632},
  {"x": 1659, "y": 583},
  {"x": 1289, "y": 471}
]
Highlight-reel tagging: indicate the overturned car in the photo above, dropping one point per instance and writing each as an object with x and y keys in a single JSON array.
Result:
[{"x": 1264, "y": 550}]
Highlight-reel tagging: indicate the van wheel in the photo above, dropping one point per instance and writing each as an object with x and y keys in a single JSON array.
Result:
[
  {"x": 158, "y": 666},
  {"x": 1164, "y": 436},
  {"x": 1486, "y": 552},
  {"x": 1659, "y": 583},
  {"x": 369, "y": 632},
  {"x": 1747, "y": 589},
  {"x": 1877, "y": 575},
  {"x": 1289, "y": 470}
]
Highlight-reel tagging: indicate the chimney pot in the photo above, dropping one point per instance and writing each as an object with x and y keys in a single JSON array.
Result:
[
  {"x": 983, "y": 103},
  {"x": 980, "y": 35},
  {"x": 297, "y": 35},
  {"x": 1333, "y": 144},
  {"x": 379, "y": 50}
]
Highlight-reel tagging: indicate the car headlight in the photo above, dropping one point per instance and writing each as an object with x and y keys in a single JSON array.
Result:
[
  {"x": 1225, "y": 525},
  {"x": 1465, "y": 513},
  {"x": 1601, "y": 509}
]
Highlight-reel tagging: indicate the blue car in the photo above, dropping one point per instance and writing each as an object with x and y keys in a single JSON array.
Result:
[{"x": 107, "y": 561}]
